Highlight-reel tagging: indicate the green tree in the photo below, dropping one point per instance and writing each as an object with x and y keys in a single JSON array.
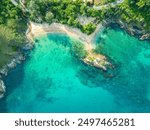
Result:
[
  {"x": 49, "y": 17},
  {"x": 89, "y": 28}
]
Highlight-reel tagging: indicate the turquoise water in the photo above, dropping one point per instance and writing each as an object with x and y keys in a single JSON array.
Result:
[{"x": 53, "y": 80}]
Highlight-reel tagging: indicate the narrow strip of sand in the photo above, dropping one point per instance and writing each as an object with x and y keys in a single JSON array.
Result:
[{"x": 36, "y": 30}]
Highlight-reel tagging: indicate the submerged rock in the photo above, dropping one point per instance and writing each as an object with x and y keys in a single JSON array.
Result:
[{"x": 2, "y": 88}]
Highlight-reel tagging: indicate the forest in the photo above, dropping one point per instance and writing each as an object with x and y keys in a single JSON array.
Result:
[
  {"x": 67, "y": 12},
  {"x": 135, "y": 11},
  {"x": 12, "y": 30}
]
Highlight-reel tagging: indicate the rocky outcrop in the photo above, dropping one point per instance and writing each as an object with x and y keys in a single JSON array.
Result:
[
  {"x": 28, "y": 46},
  {"x": 132, "y": 29},
  {"x": 145, "y": 36},
  {"x": 97, "y": 60},
  {"x": 2, "y": 88},
  {"x": 12, "y": 64},
  {"x": 3, "y": 72},
  {"x": 17, "y": 59}
]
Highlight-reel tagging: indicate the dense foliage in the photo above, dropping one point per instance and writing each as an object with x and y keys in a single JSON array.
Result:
[
  {"x": 102, "y": 2},
  {"x": 136, "y": 12},
  {"x": 12, "y": 28},
  {"x": 65, "y": 12}
]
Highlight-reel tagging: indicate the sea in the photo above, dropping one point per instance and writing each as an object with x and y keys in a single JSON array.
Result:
[{"x": 53, "y": 80}]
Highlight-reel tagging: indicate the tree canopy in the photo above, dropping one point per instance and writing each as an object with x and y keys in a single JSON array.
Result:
[
  {"x": 12, "y": 30},
  {"x": 135, "y": 11}
]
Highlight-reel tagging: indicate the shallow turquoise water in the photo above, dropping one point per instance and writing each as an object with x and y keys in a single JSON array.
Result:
[{"x": 53, "y": 80}]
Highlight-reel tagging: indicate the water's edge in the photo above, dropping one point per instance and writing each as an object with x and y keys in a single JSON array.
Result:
[{"x": 90, "y": 74}]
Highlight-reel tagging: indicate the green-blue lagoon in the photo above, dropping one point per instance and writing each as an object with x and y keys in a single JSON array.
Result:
[{"x": 52, "y": 79}]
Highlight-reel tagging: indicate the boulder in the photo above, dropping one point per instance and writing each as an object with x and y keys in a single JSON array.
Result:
[
  {"x": 2, "y": 88},
  {"x": 12, "y": 64},
  {"x": 19, "y": 58},
  {"x": 28, "y": 46},
  {"x": 4, "y": 71},
  {"x": 145, "y": 37}
]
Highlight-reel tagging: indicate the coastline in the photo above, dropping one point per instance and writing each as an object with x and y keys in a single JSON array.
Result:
[
  {"x": 17, "y": 59},
  {"x": 36, "y": 30},
  {"x": 98, "y": 60},
  {"x": 131, "y": 29},
  {"x": 2, "y": 88}
]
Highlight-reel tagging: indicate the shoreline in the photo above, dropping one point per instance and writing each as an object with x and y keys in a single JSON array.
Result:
[
  {"x": 17, "y": 59},
  {"x": 36, "y": 30},
  {"x": 131, "y": 29},
  {"x": 100, "y": 61},
  {"x": 2, "y": 88}
]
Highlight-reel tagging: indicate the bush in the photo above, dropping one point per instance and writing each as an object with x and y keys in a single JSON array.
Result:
[
  {"x": 49, "y": 17},
  {"x": 89, "y": 28}
]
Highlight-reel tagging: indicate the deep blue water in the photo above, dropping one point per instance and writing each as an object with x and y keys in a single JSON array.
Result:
[{"x": 53, "y": 80}]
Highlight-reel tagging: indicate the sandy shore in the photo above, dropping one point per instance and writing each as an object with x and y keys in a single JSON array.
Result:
[{"x": 36, "y": 30}]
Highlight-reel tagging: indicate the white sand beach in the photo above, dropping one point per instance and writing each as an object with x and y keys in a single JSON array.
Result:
[{"x": 36, "y": 30}]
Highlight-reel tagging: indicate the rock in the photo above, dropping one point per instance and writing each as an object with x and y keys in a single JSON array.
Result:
[
  {"x": 97, "y": 60},
  {"x": 28, "y": 46},
  {"x": 19, "y": 58},
  {"x": 16, "y": 60},
  {"x": 12, "y": 64},
  {"x": 2, "y": 88},
  {"x": 131, "y": 28},
  {"x": 4, "y": 71},
  {"x": 145, "y": 36}
]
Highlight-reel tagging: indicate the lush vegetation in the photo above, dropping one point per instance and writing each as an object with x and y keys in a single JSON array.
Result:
[
  {"x": 13, "y": 19},
  {"x": 65, "y": 12},
  {"x": 12, "y": 28},
  {"x": 102, "y": 2},
  {"x": 136, "y": 12}
]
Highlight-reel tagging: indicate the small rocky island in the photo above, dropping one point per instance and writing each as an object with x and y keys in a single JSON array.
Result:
[{"x": 97, "y": 60}]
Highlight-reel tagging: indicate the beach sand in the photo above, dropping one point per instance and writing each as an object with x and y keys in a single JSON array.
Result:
[{"x": 36, "y": 30}]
